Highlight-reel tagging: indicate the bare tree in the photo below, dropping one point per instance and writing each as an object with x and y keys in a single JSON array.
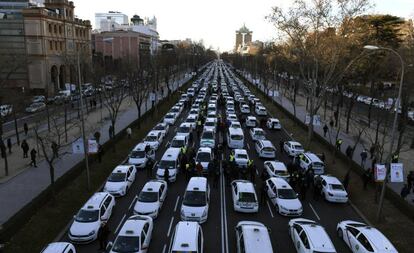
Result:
[{"x": 112, "y": 100}]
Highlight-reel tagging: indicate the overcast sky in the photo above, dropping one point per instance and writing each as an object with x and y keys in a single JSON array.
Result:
[{"x": 214, "y": 21}]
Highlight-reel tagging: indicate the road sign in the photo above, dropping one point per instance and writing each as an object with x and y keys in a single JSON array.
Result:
[
  {"x": 152, "y": 96},
  {"x": 380, "y": 172},
  {"x": 316, "y": 120},
  {"x": 77, "y": 147},
  {"x": 92, "y": 147},
  {"x": 397, "y": 173}
]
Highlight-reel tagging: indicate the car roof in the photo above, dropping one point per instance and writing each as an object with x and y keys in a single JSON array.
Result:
[
  {"x": 331, "y": 179},
  {"x": 280, "y": 182},
  {"x": 95, "y": 201},
  {"x": 133, "y": 226},
  {"x": 273, "y": 119},
  {"x": 56, "y": 247},
  {"x": 244, "y": 186},
  {"x": 121, "y": 169},
  {"x": 140, "y": 146},
  {"x": 204, "y": 149},
  {"x": 197, "y": 184},
  {"x": 186, "y": 235},
  {"x": 312, "y": 157},
  {"x": 153, "y": 133},
  {"x": 257, "y": 129},
  {"x": 377, "y": 239},
  {"x": 171, "y": 154},
  {"x": 251, "y": 117},
  {"x": 236, "y": 131},
  {"x": 317, "y": 236},
  {"x": 277, "y": 165},
  {"x": 185, "y": 124},
  {"x": 238, "y": 151},
  {"x": 179, "y": 137},
  {"x": 256, "y": 237},
  {"x": 266, "y": 143},
  {"x": 294, "y": 143},
  {"x": 153, "y": 185}
]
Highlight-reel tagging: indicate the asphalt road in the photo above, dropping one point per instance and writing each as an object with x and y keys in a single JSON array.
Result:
[{"x": 219, "y": 234}]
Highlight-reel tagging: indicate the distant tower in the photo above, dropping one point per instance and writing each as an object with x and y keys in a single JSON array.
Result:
[
  {"x": 243, "y": 38},
  {"x": 136, "y": 20}
]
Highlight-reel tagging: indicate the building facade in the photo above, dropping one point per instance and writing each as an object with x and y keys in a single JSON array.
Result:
[
  {"x": 105, "y": 22},
  {"x": 243, "y": 39},
  {"x": 54, "y": 40}
]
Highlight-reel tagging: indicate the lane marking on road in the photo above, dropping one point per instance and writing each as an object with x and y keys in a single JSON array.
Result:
[
  {"x": 132, "y": 203},
  {"x": 164, "y": 248},
  {"x": 166, "y": 144},
  {"x": 119, "y": 225},
  {"x": 176, "y": 203},
  {"x": 257, "y": 172},
  {"x": 169, "y": 228},
  {"x": 270, "y": 209},
  {"x": 225, "y": 215},
  {"x": 248, "y": 146},
  {"x": 221, "y": 212},
  {"x": 316, "y": 214}
]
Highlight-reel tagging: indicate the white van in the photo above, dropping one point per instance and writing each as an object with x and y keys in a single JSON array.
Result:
[
  {"x": 196, "y": 200},
  {"x": 309, "y": 160},
  {"x": 235, "y": 138},
  {"x": 171, "y": 161},
  {"x": 253, "y": 237}
]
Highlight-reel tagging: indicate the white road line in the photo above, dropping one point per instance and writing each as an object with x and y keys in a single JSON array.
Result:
[
  {"x": 257, "y": 172},
  {"x": 132, "y": 203},
  {"x": 169, "y": 228},
  {"x": 119, "y": 225},
  {"x": 248, "y": 146},
  {"x": 225, "y": 215},
  {"x": 316, "y": 214},
  {"x": 176, "y": 203},
  {"x": 270, "y": 209},
  {"x": 166, "y": 144},
  {"x": 164, "y": 248}
]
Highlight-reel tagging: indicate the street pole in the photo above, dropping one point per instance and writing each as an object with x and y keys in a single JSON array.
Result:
[
  {"x": 394, "y": 126},
  {"x": 85, "y": 152}
]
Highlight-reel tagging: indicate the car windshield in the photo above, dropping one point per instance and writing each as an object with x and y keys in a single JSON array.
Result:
[
  {"x": 177, "y": 143},
  {"x": 235, "y": 126},
  {"x": 286, "y": 194},
  {"x": 337, "y": 187},
  {"x": 209, "y": 123},
  {"x": 87, "y": 215},
  {"x": 126, "y": 244},
  {"x": 268, "y": 149},
  {"x": 182, "y": 251},
  {"x": 137, "y": 154},
  {"x": 247, "y": 197},
  {"x": 148, "y": 196},
  {"x": 117, "y": 177},
  {"x": 207, "y": 135},
  {"x": 169, "y": 116},
  {"x": 167, "y": 164},
  {"x": 298, "y": 147},
  {"x": 184, "y": 129},
  {"x": 195, "y": 198},
  {"x": 175, "y": 110},
  {"x": 190, "y": 120},
  {"x": 159, "y": 128},
  {"x": 203, "y": 157},
  {"x": 151, "y": 138},
  {"x": 236, "y": 137},
  {"x": 281, "y": 172},
  {"x": 241, "y": 156}
]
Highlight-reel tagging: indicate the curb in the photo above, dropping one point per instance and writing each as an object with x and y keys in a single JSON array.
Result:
[{"x": 359, "y": 212}]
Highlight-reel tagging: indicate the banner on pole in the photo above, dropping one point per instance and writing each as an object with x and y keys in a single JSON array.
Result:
[
  {"x": 77, "y": 147},
  {"x": 397, "y": 173},
  {"x": 316, "y": 120},
  {"x": 92, "y": 147},
  {"x": 380, "y": 172}
]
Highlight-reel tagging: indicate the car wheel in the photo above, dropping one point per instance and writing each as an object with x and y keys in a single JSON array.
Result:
[
  {"x": 277, "y": 208},
  {"x": 340, "y": 233}
]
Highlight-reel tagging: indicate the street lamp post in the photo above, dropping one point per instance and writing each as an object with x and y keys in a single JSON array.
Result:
[{"x": 394, "y": 124}]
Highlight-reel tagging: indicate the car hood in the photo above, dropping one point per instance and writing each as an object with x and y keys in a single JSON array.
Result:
[
  {"x": 84, "y": 228},
  {"x": 161, "y": 171},
  {"x": 136, "y": 160},
  {"x": 146, "y": 207},
  {"x": 114, "y": 186},
  {"x": 290, "y": 203},
  {"x": 190, "y": 211}
]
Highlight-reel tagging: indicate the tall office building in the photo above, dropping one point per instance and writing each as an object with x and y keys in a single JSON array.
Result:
[{"x": 111, "y": 21}]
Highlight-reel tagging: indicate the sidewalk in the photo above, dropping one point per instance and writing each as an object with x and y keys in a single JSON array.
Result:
[
  {"x": 17, "y": 192},
  {"x": 330, "y": 137}
]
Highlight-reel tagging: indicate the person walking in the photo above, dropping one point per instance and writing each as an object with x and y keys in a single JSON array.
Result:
[
  {"x": 317, "y": 188},
  {"x": 111, "y": 132},
  {"x": 25, "y": 128},
  {"x": 325, "y": 130},
  {"x": 336, "y": 114},
  {"x": 331, "y": 123},
  {"x": 404, "y": 191},
  {"x": 33, "y": 153},
  {"x": 103, "y": 235},
  {"x": 97, "y": 136},
  {"x": 339, "y": 143},
  {"x": 55, "y": 149},
  {"x": 372, "y": 151},
  {"x": 167, "y": 176},
  {"x": 349, "y": 152},
  {"x": 303, "y": 186},
  {"x": 9, "y": 145},
  {"x": 216, "y": 176},
  {"x": 263, "y": 193},
  {"x": 281, "y": 144},
  {"x": 199, "y": 169},
  {"x": 366, "y": 177},
  {"x": 364, "y": 156},
  {"x": 345, "y": 183},
  {"x": 25, "y": 148},
  {"x": 100, "y": 151},
  {"x": 129, "y": 132}
]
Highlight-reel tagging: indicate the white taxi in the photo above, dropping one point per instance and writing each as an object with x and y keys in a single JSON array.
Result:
[
  {"x": 151, "y": 198},
  {"x": 241, "y": 157},
  {"x": 283, "y": 197},
  {"x": 332, "y": 189},
  {"x": 257, "y": 134},
  {"x": 293, "y": 148},
  {"x": 244, "y": 197},
  {"x": 273, "y": 123},
  {"x": 196, "y": 200},
  {"x": 251, "y": 121},
  {"x": 120, "y": 180},
  {"x": 276, "y": 169}
]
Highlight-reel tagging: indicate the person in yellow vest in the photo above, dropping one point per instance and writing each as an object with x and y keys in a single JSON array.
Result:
[
  {"x": 395, "y": 158},
  {"x": 339, "y": 143},
  {"x": 183, "y": 150}
]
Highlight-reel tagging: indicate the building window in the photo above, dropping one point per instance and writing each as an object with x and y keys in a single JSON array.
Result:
[
  {"x": 50, "y": 28},
  {"x": 56, "y": 45},
  {"x": 60, "y": 29},
  {"x": 51, "y": 45},
  {"x": 55, "y": 29}
]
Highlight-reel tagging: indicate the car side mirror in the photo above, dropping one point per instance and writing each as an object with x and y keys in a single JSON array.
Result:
[
  {"x": 109, "y": 246},
  {"x": 74, "y": 216}
]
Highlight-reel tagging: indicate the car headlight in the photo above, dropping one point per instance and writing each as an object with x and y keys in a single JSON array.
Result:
[
  {"x": 92, "y": 232},
  {"x": 204, "y": 213},
  {"x": 182, "y": 212},
  {"x": 283, "y": 208},
  {"x": 330, "y": 194}
]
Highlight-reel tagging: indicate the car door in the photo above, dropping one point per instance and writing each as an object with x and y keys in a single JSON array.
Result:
[
  {"x": 271, "y": 191},
  {"x": 109, "y": 205},
  {"x": 351, "y": 238},
  {"x": 240, "y": 240},
  {"x": 324, "y": 186},
  {"x": 234, "y": 192},
  {"x": 147, "y": 230},
  {"x": 161, "y": 194},
  {"x": 364, "y": 245},
  {"x": 294, "y": 233},
  {"x": 104, "y": 215},
  {"x": 303, "y": 243},
  {"x": 133, "y": 174}
]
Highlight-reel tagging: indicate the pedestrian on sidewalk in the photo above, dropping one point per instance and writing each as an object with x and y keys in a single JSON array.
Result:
[
  {"x": 339, "y": 143},
  {"x": 349, "y": 152},
  {"x": 26, "y": 128},
  {"x": 103, "y": 234},
  {"x": 395, "y": 158},
  {"x": 325, "y": 130},
  {"x": 410, "y": 180},
  {"x": 100, "y": 152},
  {"x": 366, "y": 177},
  {"x": 364, "y": 156},
  {"x": 9, "y": 145},
  {"x": 33, "y": 153},
  {"x": 404, "y": 191},
  {"x": 345, "y": 183},
  {"x": 372, "y": 151},
  {"x": 25, "y": 148},
  {"x": 331, "y": 123},
  {"x": 55, "y": 149},
  {"x": 97, "y": 136},
  {"x": 336, "y": 114},
  {"x": 111, "y": 131},
  {"x": 129, "y": 132}
]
